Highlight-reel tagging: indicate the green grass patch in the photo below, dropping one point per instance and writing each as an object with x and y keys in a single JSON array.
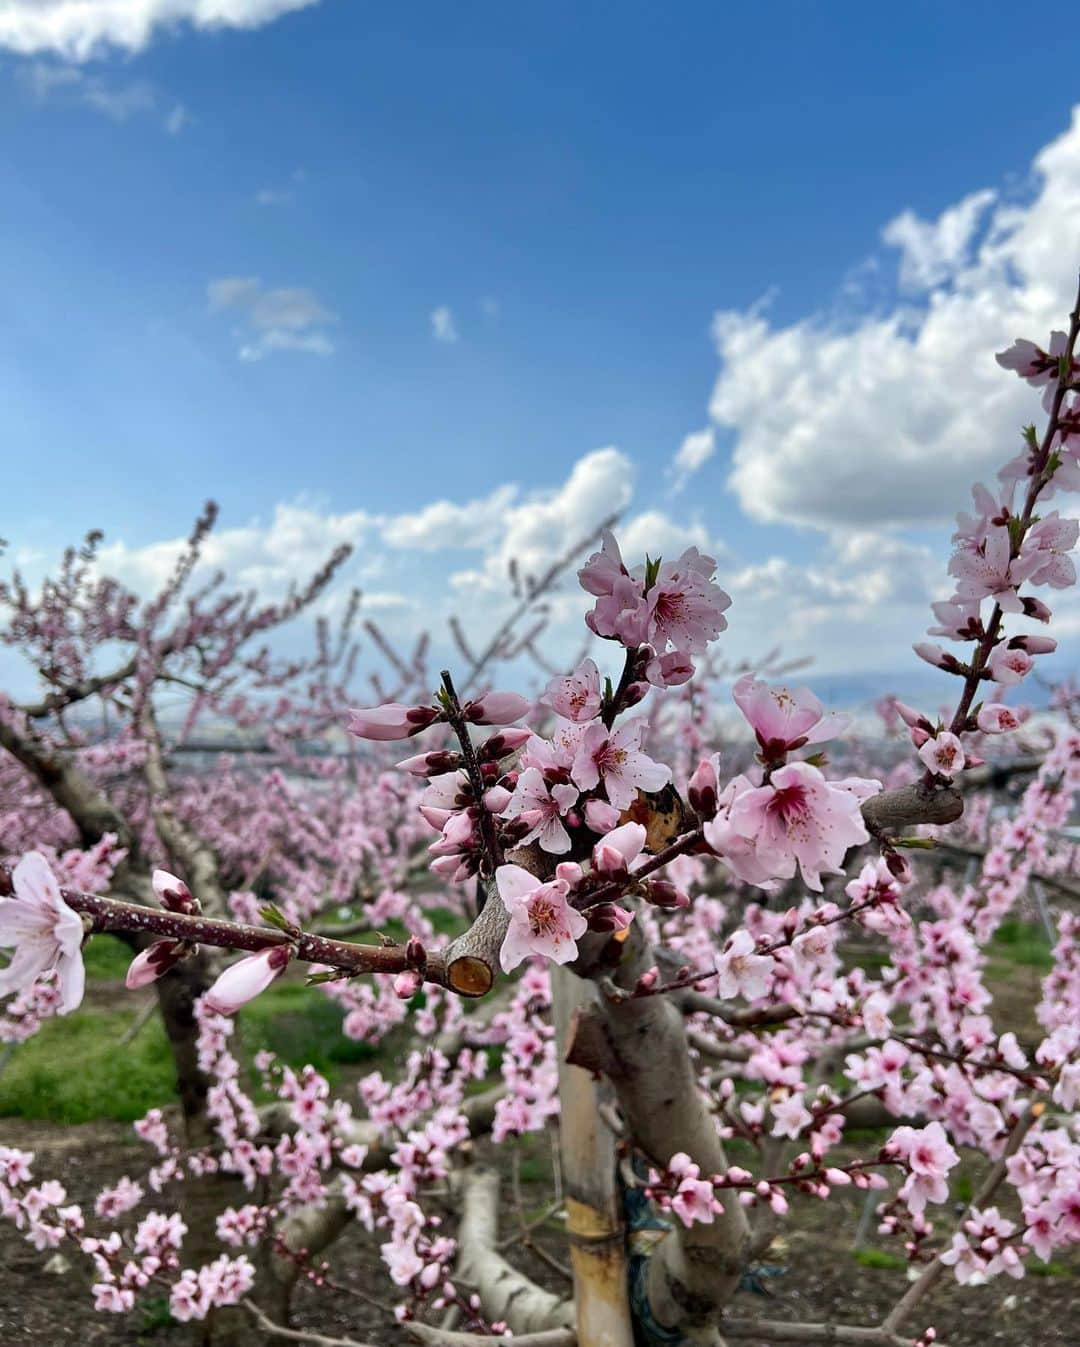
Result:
[
  {"x": 1037, "y": 1268},
  {"x": 878, "y": 1258},
  {"x": 106, "y": 959},
  {"x": 301, "y": 1025},
  {"x": 1021, "y": 942},
  {"x": 74, "y": 1070}
]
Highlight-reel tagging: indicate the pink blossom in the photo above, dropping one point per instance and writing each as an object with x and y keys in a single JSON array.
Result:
[
  {"x": 686, "y": 608},
  {"x": 496, "y": 708},
  {"x": 694, "y": 1201},
  {"x": 616, "y": 759},
  {"x": 600, "y": 573},
  {"x": 784, "y": 718},
  {"x": 247, "y": 978},
  {"x": 994, "y": 718},
  {"x": 929, "y": 1158},
  {"x": 614, "y": 854},
  {"x": 801, "y": 817},
  {"x": 601, "y": 816},
  {"x": 391, "y": 721},
  {"x": 541, "y": 920},
  {"x": 1008, "y": 666},
  {"x": 943, "y": 755},
  {"x": 741, "y": 970},
  {"x": 990, "y": 571},
  {"x": 671, "y": 670},
  {"x": 790, "y": 1117},
  {"x": 576, "y": 697},
  {"x": 958, "y": 619},
  {"x": 543, "y": 809},
  {"x": 1047, "y": 543},
  {"x": 45, "y": 933}
]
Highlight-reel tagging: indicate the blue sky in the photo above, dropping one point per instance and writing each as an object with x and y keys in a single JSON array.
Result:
[{"x": 223, "y": 250}]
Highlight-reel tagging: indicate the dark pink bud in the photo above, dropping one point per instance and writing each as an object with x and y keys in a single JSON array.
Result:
[
  {"x": 148, "y": 966},
  {"x": 502, "y": 744},
  {"x": 898, "y": 866},
  {"x": 173, "y": 894},
  {"x": 703, "y": 790},
  {"x": 647, "y": 981},
  {"x": 609, "y": 917},
  {"x": 1034, "y": 645},
  {"x": 392, "y": 721},
  {"x": 431, "y": 764},
  {"x": 912, "y": 718},
  {"x": 1035, "y": 608},
  {"x": 635, "y": 693},
  {"x": 663, "y": 893},
  {"x": 415, "y": 954},
  {"x": 496, "y": 708},
  {"x": 407, "y": 984}
]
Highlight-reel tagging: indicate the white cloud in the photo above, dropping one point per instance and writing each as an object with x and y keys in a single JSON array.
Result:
[
  {"x": 442, "y": 524},
  {"x": 442, "y": 325},
  {"x": 694, "y": 452},
  {"x": 178, "y": 119},
  {"x": 272, "y": 196},
  {"x": 270, "y": 555},
  {"x": 933, "y": 252},
  {"x": 886, "y": 420},
  {"x": 79, "y": 29},
  {"x": 657, "y": 534},
  {"x": 290, "y": 318},
  {"x": 47, "y": 80}
]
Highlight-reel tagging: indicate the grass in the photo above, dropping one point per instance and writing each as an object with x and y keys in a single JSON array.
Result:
[
  {"x": 1021, "y": 942},
  {"x": 106, "y": 959},
  {"x": 878, "y": 1258},
  {"x": 74, "y": 1070}
]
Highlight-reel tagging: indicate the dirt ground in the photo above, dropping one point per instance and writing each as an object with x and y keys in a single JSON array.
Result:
[{"x": 39, "y": 1308}]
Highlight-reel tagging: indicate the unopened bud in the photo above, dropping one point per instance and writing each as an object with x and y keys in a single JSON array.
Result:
[
  {"x": 663, "y": 893},
  {"x": 407, "y": 984},
  {"x": 173, "y": 894}
]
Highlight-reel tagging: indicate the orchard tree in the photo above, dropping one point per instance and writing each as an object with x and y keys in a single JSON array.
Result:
[{"x": 651, "y": 929}]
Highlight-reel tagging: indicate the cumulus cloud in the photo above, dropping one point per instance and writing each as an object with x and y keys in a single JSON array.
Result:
[
  {"x": 694, "y": 452},
  {"x": 268, "y": 554},
  {"x": 80, "y": 29},
  {"x": 443, "y": 524},
  {"x": 290, "y": 318},
  {"x": 443, "y": 327},
  {"x": 887, "y": 419}
]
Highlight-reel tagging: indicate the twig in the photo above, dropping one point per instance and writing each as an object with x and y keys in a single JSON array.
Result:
[{"x": 297, "y": 1334}]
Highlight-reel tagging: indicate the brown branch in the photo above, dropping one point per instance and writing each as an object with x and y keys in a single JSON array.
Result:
[{"x": 296, "y": 1334}]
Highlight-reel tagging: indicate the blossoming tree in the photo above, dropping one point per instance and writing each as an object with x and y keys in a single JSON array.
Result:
[{"x": 654, "y": 941}]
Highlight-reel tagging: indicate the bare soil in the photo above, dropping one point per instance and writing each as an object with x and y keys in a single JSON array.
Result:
[{"x": 823, "y": 1278}]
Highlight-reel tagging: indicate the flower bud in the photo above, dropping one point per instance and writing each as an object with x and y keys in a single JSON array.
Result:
[
  {"x": 431, "y": 764},
  {"x": 407, "y": 984},
  {"x": 173, "y": 894},
  {"x": 504, "y": 743},
  {"x": 391, "y": 721},
  {"x": 663, "y": 893},
  {"x": 607, "y": 917},
  {"x": 703, "y": 789},
  {"x": 601, "y": 816},
  {"x": 148, "y": 966},
  {"x": 496, "y": 708}
]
